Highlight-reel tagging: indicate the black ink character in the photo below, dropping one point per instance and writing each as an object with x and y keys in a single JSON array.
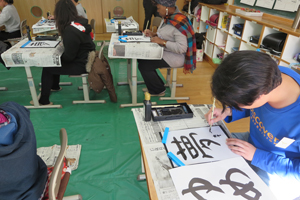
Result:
[
  {"x": 241, "y": 189},
  {"x": 208, "y": 143},
  {"x": 206, "y": 186},
  {"x": 180, "y": 149},
  {"x": 189, "y": 146},
  {"x": 204, "y": 155},
  {"x": 217, "y": 135}
]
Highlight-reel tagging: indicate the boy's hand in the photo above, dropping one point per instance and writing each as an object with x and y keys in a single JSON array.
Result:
[
  {"x": 241, "y": 147},
  {"x": 218, "y": 115}
]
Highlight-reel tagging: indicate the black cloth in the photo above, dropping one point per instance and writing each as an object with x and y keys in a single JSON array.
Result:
[
  {"x": 5, "y": 35},
  {"x": 77, "y": 45},
  {"x": 23, "y": 174},
  {"x": 154, "y": 83},
  {"x": 150, "y": 10}
]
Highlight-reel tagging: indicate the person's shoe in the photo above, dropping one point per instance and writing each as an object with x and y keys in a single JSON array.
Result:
[
  {"x": 53, "y": 90},
  {"x": 31, "y": 102},
  {"x": 145, "y": 90},
  {"x": 159, "y": 95}
]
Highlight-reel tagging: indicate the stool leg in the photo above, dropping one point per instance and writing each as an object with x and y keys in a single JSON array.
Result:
[
  {"x": 86, "y": 90},
  {"x": 173, "y": 86}
]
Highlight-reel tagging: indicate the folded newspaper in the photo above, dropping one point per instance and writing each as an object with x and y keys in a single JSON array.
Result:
[{"x": 50, "y": 154}]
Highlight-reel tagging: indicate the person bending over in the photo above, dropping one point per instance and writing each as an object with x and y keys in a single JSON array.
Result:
[
  {"x": 23, "y": 174},
  {"x": 9, "y": 18},
  {"x": 176, "y": 35},
  {"x": 250, "y": 84},
  {"x": 75, "y": 32}
]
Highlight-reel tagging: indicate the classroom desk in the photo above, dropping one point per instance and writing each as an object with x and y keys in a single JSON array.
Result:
[
  {"x": 28, "y": 57},
  {"x": 151, "y": 147},
  {"x": 132, "y": 52}
]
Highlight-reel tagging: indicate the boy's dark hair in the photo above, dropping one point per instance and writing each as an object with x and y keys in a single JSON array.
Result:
[
  {"x": 65, "y": 12},
  {"x": 9, "y": 1},
  {"x": 243, "y": 76},
  {"x": 76, "y": 1}
]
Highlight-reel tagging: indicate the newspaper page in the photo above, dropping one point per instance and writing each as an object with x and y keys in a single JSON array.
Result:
[
  {"x": 44, "y": 25},
  {"x": 111, "y": 25},
  {"x": 138, "y": 50},
  {"x": 155, "y": 151},
  {"x": 50, "y": 154},
  {"x": 40, "y": 57}
]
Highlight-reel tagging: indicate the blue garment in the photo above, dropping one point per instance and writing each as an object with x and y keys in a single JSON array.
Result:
[
  {"x": 8, "y": 132},
  {"x": 267, "y": 127},
  {"x": 23, "y": 174}
]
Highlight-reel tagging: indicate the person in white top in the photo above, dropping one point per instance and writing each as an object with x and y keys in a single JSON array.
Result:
[
  {"x": 9, "y": 18},
  {"x": 80, "y": 10}
]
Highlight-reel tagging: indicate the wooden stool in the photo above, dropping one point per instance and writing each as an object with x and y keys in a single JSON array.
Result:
[{"x": 172, "y": 85}]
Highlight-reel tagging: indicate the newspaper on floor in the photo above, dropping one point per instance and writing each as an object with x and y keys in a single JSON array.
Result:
[
  {"x": 42, "y": 57},
  {"x": 155, "y": 151},
  {"x": 138, "y": 50},
  {"x": 50, "y": 154}
]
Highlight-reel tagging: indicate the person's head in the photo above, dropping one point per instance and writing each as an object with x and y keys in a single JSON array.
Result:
[
  {"x": 165, "y": 7},
  {"x": 75, "y": 1},
  {"x": 244, "y": 78},
  {"x": 3, "y": 3},
  {"x": 65, "y": 12}
]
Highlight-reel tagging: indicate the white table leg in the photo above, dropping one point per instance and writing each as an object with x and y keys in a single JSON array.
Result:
[
  {"x": 132, "y": 80},
  {"x": 33, "y": 92},
  {"x": 128, "y": 75}
]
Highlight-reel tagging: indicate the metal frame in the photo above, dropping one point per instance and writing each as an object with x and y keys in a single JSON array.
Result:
[{"x": 172, "y": 85}]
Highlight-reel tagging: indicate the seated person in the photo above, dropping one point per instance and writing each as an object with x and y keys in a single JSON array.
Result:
[
  {"x": 9, "y": 18},
  {"x": 79, "y": 8},
  {"x": 23, "y": 174},
  {"x": 177, "y": 37},
  {"x": 250, "y": 84},
  {"x": 75, "y": 32}
]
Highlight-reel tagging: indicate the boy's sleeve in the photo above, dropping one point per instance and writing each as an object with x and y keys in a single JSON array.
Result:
[
  {"x": 276, "y": 164},
  {"x": 236, "y": 115}
]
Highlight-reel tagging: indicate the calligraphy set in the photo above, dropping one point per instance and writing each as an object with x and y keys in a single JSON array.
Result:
[{"x": 171, "y": 111}]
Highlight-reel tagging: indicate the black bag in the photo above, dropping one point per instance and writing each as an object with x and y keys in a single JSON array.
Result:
[
  {"x": 254, "y": 39},
  {"x": 238, "y": 29},
  {"x": 274, "y": 41}
]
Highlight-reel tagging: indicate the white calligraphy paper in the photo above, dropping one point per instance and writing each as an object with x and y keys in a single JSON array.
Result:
[
  {"x": 286, "y": 5},
  {"x": 248, "y": 2},
  {"x": 230, "y": 179},
  {"x": 199, "y": 145},
  {"x": 265, "y": 3}
]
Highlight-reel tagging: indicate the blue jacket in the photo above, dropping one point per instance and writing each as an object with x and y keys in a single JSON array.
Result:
[
  {"x": 267, "y": 127},
  {"x": 23, "y": 173}
]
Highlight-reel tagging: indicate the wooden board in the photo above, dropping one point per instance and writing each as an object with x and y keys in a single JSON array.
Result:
[{"x": 24, "y": 7}]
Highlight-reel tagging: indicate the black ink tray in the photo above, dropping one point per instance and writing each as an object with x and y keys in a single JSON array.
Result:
[{"x": 171, "y": 111}]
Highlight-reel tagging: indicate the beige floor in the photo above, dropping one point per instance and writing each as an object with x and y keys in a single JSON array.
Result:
[{"x": 197, "y": 87}]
